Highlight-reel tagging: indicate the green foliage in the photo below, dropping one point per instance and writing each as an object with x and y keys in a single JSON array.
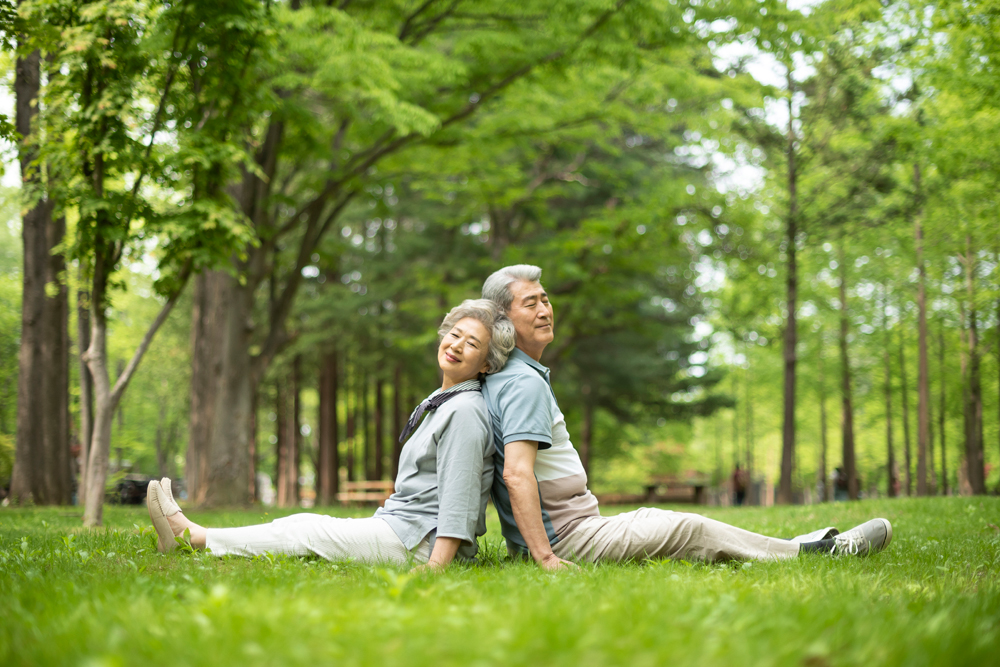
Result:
[
  {"x": 361, "y": 167},
  {"x": 108, "y": 597}
]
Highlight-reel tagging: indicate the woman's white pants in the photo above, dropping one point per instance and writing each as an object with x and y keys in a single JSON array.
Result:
[{"x": 370, "y": 540}]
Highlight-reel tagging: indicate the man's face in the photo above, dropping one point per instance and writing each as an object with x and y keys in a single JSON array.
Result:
[{"x": 531, "y": 314}]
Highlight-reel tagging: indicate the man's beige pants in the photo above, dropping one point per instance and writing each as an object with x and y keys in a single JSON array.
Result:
[{"x": 655, "y": 533}]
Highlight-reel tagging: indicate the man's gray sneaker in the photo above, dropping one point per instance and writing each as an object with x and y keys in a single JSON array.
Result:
[{"x": 863, "y": 540}]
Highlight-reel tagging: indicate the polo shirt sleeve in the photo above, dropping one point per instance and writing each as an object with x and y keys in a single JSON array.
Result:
[
  {"x": 524, "y": 406},
  {"x": 461, "y": 448}
]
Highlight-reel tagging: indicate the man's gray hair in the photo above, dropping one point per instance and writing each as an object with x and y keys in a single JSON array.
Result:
[
  {"x": 502, "y": 334},
  {"x": 497, "y": 286}
]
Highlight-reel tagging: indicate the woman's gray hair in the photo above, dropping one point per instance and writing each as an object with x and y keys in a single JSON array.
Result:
[
  {"x": 502, "y": 335},
  {"x": 497, "y": 286}
]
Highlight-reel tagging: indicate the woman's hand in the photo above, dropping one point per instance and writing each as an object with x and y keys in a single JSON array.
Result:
[{"x": 444, "y": 552}]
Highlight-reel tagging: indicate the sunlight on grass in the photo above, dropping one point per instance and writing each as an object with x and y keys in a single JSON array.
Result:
[{"x": 105, "y": 597}]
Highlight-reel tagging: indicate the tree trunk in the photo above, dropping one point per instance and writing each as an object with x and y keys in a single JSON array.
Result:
[
  {"x": 962, "y": 470},
  {"x": 86, "y": 385},
  {"x": 367, "y": 456},
  {"x": 379, "y": 418},
  {"x": 941, "y": 412},
  {"x": 350, "y": 405},
  {"x": 904, "y": 391},
  {"x": 791, "y": 332},
  {"x": 397, "y": 417},
  {"x": 586, "y": 436},
  {"x": 295, "y": 436},
  {"x": 736, "y": 418},
  {"x": 821, "y": 385},
  {"x": 891, "y": 459},
  {"x": 222, "y": 389},
  {"x": 847, "y": 412},
  {"x": 288, "y": 446},
  {"x": 749, "y": 424},
  {"x": 253, "y": 457},
  {"x": 100, "y": 450},
  {"x": 329, "y": 463},
  {"x": 281, "y": 456},
  {"x": 923, "y": 382},
  {"x": 974, "y": 433},
  {"x": 42, "y": 468}
]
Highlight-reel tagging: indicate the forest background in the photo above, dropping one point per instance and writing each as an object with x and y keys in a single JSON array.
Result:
[{"x": 769, "y": 232}]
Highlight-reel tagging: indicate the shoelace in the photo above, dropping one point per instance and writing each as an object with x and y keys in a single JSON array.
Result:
[{"x": 848, "y": 542}]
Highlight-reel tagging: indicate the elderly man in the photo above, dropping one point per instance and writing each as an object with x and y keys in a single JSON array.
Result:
[{"x": 540, "y": 486}]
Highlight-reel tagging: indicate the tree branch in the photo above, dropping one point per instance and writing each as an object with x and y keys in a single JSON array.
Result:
[{"x": 122, "y": 383}]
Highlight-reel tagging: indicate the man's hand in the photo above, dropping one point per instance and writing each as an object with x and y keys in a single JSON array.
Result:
[
  {"x": 554, "y": 562},
  {"x": 432, "y": 568}
]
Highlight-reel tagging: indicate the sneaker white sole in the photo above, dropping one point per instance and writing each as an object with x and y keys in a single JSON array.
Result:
[{"x": 888, "y": 533}]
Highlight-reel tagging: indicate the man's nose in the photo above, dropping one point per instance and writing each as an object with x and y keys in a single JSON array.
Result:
[{"x": 544, "y": 310}]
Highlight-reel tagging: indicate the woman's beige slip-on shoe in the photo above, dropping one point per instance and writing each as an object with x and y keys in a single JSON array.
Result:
[
  {"x": 170, "y": 506},
  {"x": 165, "y": 541}
]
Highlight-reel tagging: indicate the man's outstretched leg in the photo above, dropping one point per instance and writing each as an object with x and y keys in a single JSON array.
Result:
[{"x": 655, "y": 533}]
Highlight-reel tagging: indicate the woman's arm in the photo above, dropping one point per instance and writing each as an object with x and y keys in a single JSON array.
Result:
[{"x": 444, "y": 552}]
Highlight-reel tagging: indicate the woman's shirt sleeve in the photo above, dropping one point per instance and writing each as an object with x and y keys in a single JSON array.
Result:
[{"x": 461, "y": 451}]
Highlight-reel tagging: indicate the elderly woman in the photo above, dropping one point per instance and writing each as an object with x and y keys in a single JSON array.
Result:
[{"x": 445, "y": 471}]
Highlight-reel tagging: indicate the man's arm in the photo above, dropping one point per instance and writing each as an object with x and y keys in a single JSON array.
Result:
[{"x": 519, "y": 475}]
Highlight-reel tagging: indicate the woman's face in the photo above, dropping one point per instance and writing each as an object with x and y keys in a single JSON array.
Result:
[{"x": 462, "y": 352}]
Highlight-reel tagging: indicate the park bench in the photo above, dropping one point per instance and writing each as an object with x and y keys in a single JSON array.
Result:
[
  {"x": 672, "y": 489},
  {"x": 366, "y": 491}
]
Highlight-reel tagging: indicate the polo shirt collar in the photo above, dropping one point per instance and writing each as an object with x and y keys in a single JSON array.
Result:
[{"x": 517, "y": 353}]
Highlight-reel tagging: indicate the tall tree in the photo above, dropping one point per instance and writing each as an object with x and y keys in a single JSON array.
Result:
[
  {"x": 791, "y": 298},
  {"x": 890, "y": 459},
  {"x": 974, "y": 388},
  {"x": 847, "y": 406},
  {"x": 904, "y": 396},
  {"x": 328, "y": 474},
  {"x": 42, "y": 460},
  {"x": 923, "y": 377}
]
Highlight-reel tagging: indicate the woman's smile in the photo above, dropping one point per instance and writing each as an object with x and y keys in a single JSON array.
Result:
[{"x": 462, "y": 352}]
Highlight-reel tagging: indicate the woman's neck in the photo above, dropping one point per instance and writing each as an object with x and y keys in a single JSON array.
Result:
[{"x": 448, "y": 383}]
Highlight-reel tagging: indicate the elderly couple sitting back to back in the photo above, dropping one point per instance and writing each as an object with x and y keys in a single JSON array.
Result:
[{"x": 494, "y": 429}]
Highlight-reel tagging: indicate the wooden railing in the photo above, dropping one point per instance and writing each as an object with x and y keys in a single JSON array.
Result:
[{"x": 366, "y": 491}]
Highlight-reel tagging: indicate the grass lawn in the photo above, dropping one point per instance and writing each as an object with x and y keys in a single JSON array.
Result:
[{"x": 105, "y": 597}]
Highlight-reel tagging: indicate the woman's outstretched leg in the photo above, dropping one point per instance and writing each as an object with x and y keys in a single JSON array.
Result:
[{"x": 370, "y": 540}]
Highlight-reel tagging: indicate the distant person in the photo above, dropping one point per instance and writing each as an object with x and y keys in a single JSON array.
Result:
[
  {"x": 739, "y": 481},
  {"x": 540, "y": 486},
  {"x": 840, "y": 490},
  {"x": 445, "y": 472}
]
